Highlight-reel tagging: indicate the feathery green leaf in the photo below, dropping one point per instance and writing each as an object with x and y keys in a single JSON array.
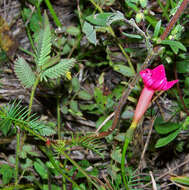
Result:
[
  {"x": 15, "y": 114},
  {"x": 24, "y": 72},
  {"x": 90, "y": 143},
  {"x": 58, "y": 70},
  {"x": 44, "y": 43}
]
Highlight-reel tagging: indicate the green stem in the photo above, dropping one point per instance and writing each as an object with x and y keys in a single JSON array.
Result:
[
  {"x": 128, "y": 138},
  {"x": 163, "y": 9},
  {"x": 78, "y": 167},
  {"x": 27, "y": 52},
  {"x": 29, "y": 34},
  {"x": 55, "y": 18},
  {"x": 52, "y": 160},
  {"x": 113, "y": 34},
  {"x": 32, "y": 94},
  {"x": 17, "y": 156},
  {"x": 58, "y": 118}
]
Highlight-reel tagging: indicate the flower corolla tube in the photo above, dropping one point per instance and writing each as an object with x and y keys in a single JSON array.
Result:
[{"x": 154, "y": 80}]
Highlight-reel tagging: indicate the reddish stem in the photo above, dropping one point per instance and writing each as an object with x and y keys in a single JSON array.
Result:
[
  {"x": 146, "y": 63},
  {"x": 180, "y": 93},
  {"x": 174, "y": 19}
]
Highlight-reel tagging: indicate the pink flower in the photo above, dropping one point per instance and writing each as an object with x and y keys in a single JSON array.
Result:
[{"x": 154, "y": 80}]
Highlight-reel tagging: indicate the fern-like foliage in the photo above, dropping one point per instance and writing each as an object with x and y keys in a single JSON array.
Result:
[
  {"x": 89, "y": 143},
  {"x": 58, "y": 70},
  {"x": 24, "y": 72},
  {"x": 44, "y": 43},
  {"x": 16, "y": 115}
]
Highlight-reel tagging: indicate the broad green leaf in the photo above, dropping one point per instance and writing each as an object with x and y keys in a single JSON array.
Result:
[
  {"x": 81, "y": 185},
  {"x": 66, "y": 49},
  {"x": 166, "y": 140},
  {"x": 90, "y": 32},
  {"x": 120, "y": 137},
  {"x": 89, "y": 107},
  {"x": 27, "y": 149},
  {"x": 139, "y": 17},
  {"x": 84, "y": 95},
  {"x": 143, "y": 3},
  {"x": 24, "y": 72},
  {"x": 75, "y": 84},
  {"x": 183, "y": 66},
  {"x": 74, "y": 106},
  {"x": 167, "y": 128},
  {"x": 116, "y": 155},
  {"x": 124, "y": 70},
  {"x": 100, "y": 19},
  {"x": 64, "y": 109},
  {"x": 101, "y": 100},
  {"x": 117, "y": 16},
  {"x": 133, "y": 6},
  {"x": 186, "y": 82},
  {"x": 132, "y": 35},
  {"x": 153, "y": 21},
  {"x": 157, "y": 29},
  {"x": 72, "y": 30},
  {"x": 7, "y": 172},
  {"x": 185, "y": 125},
  {"x": 127, "y": 114},
  {"x": 175, "y": 49},
  {"x": 181, "y": 180},
  {"x": 53, "y": 187},
  {"x": 105, "y": 19},
  {"x": 41, "y": 169},
  {"x": 176, "y": 44}
]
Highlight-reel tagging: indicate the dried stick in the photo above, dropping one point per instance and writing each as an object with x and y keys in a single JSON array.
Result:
[
  {"x": 147, "y": 141},
  {"x": 168, "y": 172}
]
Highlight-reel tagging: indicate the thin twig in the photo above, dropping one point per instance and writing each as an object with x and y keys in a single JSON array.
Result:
[
  {"x": 132, "y": 23},
  {"x": 104, "y": 122},
  {"x": 147, "y": 141},
  {"x": 167, "y": 173},
  {"x": 154, "y": 186}
]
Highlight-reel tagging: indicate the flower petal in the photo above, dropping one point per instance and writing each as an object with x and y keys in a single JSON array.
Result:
[
  {"x": 155, "y": 79},
  {"x": 158, "y": 73},
  {"x": 169, "y": 84}
]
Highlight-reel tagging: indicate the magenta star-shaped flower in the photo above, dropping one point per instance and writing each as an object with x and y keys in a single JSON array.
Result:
[{"x": 155, "y": 79}]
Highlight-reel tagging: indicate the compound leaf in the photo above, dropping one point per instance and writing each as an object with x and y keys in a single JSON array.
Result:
[
  {"x": 58, "y": 70},
  {"x": 24, "y": 72}
]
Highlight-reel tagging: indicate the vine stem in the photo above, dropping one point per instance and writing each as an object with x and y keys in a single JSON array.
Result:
[
  {"x": 174, "y": 19},
  {"x": 128, "y": 138},
  {"x": 17, "y": 155},
  {"x": 32, "y": 94},
  {"x": 55, "y": 18},
  {"x": 118, "y": 42},
  {"x": 78, "y": 167},
  {"x": 58, "y": 118},
  {"x": 52, "y": 160}
]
